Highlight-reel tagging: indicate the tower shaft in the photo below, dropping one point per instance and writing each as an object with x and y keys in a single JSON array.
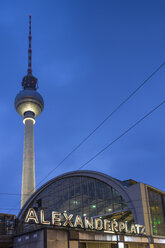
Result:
[{"x": 28, "y": 175}]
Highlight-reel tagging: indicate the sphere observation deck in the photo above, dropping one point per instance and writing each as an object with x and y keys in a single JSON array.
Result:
[{"x": 29, "y": 100}]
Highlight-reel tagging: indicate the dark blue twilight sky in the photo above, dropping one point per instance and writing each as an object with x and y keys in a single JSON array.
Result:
[{"x": 88, "y": 55}]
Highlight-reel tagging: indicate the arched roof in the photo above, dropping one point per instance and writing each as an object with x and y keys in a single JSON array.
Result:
[{"x": 114, "y": 183}]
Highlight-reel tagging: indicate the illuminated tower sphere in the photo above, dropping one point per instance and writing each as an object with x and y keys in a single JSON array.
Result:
[{"x": 29, "y": 104}]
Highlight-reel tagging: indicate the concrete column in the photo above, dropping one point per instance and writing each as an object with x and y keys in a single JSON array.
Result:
[{"x": 28, "y": 174}]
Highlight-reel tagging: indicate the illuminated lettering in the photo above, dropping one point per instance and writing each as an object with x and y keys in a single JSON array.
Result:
[
  {"x": 78, "y": 222},
  {"x": 88, "y": 224},
  {"x": 31, "y": 215},
  {"x": 133, "y": 228},
  {"x": 126, "y": 227},
  {"x": 143, "y": 230},
  {"x": 138, "y": 228},
  {"x": 114, "y": 225},
  {"x": 68, "y": 220},
  {"x": 121, "y": 226},
  {"x": 56, "y": 220},
  {"x": 43, "y": 221},
  {"x": 98, "y": 224},
  {"x": 107, "y": 225}
]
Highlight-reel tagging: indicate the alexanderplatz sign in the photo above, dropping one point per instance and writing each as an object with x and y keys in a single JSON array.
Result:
[{"x": 77, "y": 221}]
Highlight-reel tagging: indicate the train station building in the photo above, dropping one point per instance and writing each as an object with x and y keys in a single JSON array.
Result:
[{"x": 88, "y": 209}]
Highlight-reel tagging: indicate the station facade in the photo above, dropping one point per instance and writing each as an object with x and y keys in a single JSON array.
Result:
[{"x": 88, "y": 209}]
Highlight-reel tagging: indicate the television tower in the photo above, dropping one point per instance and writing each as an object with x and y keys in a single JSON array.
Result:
[{"x": 29, "y": 104}]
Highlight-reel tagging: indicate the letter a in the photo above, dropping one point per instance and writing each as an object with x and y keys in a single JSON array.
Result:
[{"x": 31, "y": 215}]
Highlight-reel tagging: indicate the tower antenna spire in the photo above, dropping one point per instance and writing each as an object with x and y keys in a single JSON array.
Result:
[
  {"x": 29, "y": 81},
  {"x": 30, "y": 49}
]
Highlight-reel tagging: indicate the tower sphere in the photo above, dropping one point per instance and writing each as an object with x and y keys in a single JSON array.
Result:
[{"x": 29, "y": 100}]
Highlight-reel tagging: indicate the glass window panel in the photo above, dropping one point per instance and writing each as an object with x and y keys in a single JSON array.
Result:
[
  {"x": 84, "y": 189},
  {"x": 117, "y": 206},
  {"x": 157, "y": 212},
  {"x": 77, "y": 189},
  {"x": 109, "y": 208},
  {"x": 71, "y": 190},
  {"x": 99, "y": 190},
  {"x": 107, "y": 192},
  {"x": 92, "y": 210},
  {"x": 86, "y": 211},
  {"x": 79, "y": 201},
  {"x": 124, "y": 205},
  {"x": 84, "y": 195},
  {"x": 100, "y": 208},
  {"x": 85, "y": 200},
  {"x": 72, "y": 204},
  {"x": 115, "y": 193}
]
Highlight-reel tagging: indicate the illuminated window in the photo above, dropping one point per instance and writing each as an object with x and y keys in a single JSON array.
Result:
[{"x": 157, "y": 210}]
